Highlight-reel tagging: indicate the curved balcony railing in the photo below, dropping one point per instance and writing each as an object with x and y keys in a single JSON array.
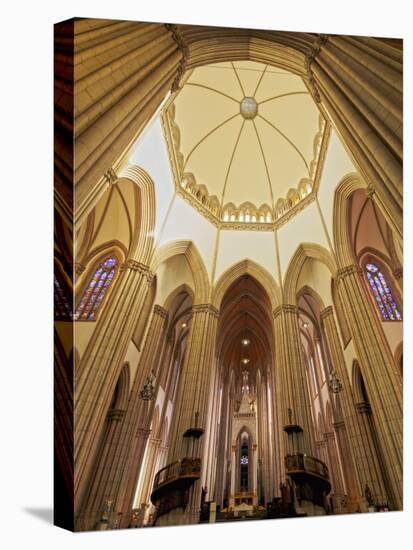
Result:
[
  {"x": 177, "y": 475},
  {"x": 305, "y": 466}
]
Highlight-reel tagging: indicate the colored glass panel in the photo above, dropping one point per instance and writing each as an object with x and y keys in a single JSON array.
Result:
[
  {"x": 382, "y": 294},
  {"x": 95, "y": 291}
]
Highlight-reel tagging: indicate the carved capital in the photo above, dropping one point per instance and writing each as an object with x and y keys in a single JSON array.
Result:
[
  {"x": 338, "y": 425},
  {"x": 329, "y": 436},
  {"x": 115, "y": 415},
  {"x": 398, "y": 273},
  {"x": 159, "y": 310},
  {"x": 183, "y": 47},
  {"x": 326, "y": 312},
  {"x": 79, "y": 268},
  {"x": 363, "y": 408},
  {"x": 142, "y": 432},
  {"x": 348, "y": 270},
  {"x": 110, "y": 176},
  {"x": 371, "y": 190},
  {"x": 205, "y": 308},
  {"x": 143, "y": 269},
  {"x": 285, "y": 308},
  {"x": 309, "y": 58}
]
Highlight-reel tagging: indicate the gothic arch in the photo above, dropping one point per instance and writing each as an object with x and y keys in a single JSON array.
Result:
[
  {"x": 247, "y": 267},
  {"x": 342, "y": 245},
  {"x": 184, "y": 288},
  {"x": 195, "y": 261},
  {"x": 304, "y": 251},
  {"x": 142, "y": 245},
  {"x": 306, "y": 289},
  {"x": 122, "y": 388}
]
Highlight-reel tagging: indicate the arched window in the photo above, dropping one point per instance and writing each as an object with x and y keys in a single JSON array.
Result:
[
  {"x": 382, "y": 293},
  {"x": 96, "y": 289},
  {"x": 62, "y": 305}
]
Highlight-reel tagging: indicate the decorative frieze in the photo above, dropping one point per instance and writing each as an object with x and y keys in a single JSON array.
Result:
[
  {"x": 348, "y": 270},
  {"x": 110, "y": 176},
  {"x": 177, "y": 36},
  {"x": 309, "y": 58},
  {"x": 159, "y": 310},
  {"x": 143, "y": 269},
  {"x": 115, "y": 415},
  {"x": 205, "y": 308},
  {"x": 284, "y": 308}
]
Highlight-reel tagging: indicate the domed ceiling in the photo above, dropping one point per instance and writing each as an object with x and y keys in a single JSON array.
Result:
[{"x": 246, "y": 142}]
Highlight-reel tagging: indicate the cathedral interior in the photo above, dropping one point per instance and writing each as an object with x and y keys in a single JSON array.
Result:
[{"x": 228, "y": 274}]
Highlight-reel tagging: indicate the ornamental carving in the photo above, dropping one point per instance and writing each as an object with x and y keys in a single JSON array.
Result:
[
  {"x": 205, "y": 308},
  {"x": 143, "y": 269},
  {"x": 159, "y": 310},
  {"x": 285, "y": 308},
  {"x": 348, "y": 270},
  {"x": 110, "y": 176},
  {"x": 309, "y": 58},
  {"x": 327, "y": 312},
  {"x": 148, "y": 391},
  {"x": 178, "y": 38}
]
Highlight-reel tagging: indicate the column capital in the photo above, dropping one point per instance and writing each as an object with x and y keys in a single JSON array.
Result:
[
  {"x": 285, "y": 308},
  {"x": 110, "y": 176},
  {"x": 328, "y": 435},
  {"x": 205, "y": 308},
  {"x": 143, "y": 432},
  {"x": 326, "y": 312},
  {"x": 371, "y": 190},
  {"x": 348, "y": 270},
  {"x": 398, "y": 272},
  {"x": 115, "y": 415},
  {"x": 338, "y": 425},
  {"x": 141, "y": 268},
  {"x": 159, "y": 310},
  {"x": 363, "y": 408},
  {"x": 79, "y": 268},
  {"x": 183, "y": 47}
]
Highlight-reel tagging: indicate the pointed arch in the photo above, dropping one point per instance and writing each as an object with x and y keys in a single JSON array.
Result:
[
  {"x": 143, "y": 239},
  {"x": 247, "y": 267},
  {"x": 304, "y": 251},
  {"x": 121, "y": 393},
  {"x": 306, "y": 289},
  {"x": 181, "y": 289},
  {"x": 342, "y": 245},
  {"x": 196, "y": 264}
]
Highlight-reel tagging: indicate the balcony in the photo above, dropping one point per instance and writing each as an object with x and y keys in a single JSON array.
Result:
[
  {"x": 171, "y": 484},
  {"x": 310, "y": 476}
]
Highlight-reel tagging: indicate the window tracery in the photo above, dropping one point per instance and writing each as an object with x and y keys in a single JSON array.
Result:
[
  {"x": 96, "y": 289},
  {"x": 381, "y": 293}
]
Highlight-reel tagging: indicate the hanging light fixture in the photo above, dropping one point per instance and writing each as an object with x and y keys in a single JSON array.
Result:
[{"x": 245, "y": 342}]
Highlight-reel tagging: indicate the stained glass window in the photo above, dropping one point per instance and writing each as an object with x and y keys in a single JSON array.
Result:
[
  {"x": 62, "y": 305},
  {"x": 382, "y": 294},
  {"x": 95, "y": 291},
  {"x": 244, "y": 460}
]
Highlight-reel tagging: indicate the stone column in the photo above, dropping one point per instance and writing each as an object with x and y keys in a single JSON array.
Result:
[
  {"x": 293, "y": 394},
  {"x": 122, "y": 71},
  {"x": 362, "y": 455},
  {"x": 379, "y": 372},
  {"x": 98, "y": 494},
  {"x": 350, "y": 477},
  {"x": 139, "y": 416},
  {"x": 151, "y": 462},
  {"x": 334, "y": 463},
  {"x": 98, "y": 372},
  {"x": 192, "y": 400},
  {"x": 360, "y": 81}
]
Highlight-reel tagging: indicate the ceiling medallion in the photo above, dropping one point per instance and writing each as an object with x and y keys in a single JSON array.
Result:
[{"x": 249, "y": 108}]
